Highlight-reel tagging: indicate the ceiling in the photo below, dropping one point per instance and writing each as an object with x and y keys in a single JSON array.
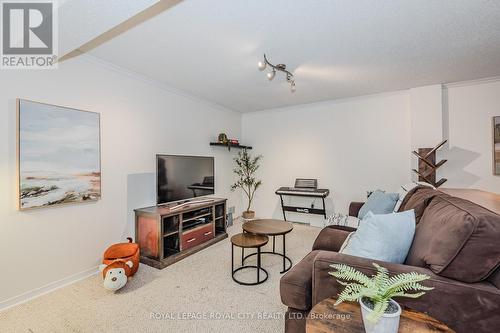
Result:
[
  {"x": 335, "y": 48},
  {"x": 96, "y": 16}
]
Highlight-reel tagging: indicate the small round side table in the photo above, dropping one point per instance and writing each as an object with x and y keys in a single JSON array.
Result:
[
  {"x": 246, "y": 240},
  {"x": 270, "y": 227}
]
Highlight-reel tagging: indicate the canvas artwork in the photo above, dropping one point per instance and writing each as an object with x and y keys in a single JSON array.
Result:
[
  {"x": 58, "y": 155},
  {"x": 496, "y": 145}
]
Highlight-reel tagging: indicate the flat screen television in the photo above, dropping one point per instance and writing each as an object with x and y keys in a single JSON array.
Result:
[{"x": 183, "y": 177}]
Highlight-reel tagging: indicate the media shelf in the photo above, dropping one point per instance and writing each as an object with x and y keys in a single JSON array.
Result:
[{"x": 167, "y": 235}]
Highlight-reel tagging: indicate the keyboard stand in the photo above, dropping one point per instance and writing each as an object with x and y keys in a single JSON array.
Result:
[{"x": 303, "y": 210}]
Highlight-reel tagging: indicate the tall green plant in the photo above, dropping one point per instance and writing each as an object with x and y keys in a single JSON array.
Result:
[
  {"x": 246, "y": 166},
  {"x": 379, "y": 288}
]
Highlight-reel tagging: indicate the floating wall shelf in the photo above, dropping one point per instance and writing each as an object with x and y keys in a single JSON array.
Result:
[
  {"x": 230, "y": 145},
  {"x": 427, "y": 165}
]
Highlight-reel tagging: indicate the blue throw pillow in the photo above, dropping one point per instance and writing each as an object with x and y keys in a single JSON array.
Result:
[
  {"x": 379, "y": 202},
  {"x": 383, "y": 237}
]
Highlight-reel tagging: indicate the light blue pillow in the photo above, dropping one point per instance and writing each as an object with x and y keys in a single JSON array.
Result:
[
  {"x": 385, "y": 237},
  {"x": 379, "y": 202}
]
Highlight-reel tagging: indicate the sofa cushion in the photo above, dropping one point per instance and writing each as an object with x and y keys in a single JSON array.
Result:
[
  {"x": 405, "y": 189},
  {"x": 296, "y": 284},
  {"x": 457, "y": 239},
  {"x": 418, "y": 199}
]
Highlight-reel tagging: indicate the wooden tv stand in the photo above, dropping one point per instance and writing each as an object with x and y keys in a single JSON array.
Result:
[{"x": 167, "y": 233}]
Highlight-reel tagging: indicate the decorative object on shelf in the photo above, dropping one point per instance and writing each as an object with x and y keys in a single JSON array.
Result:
[
  {"x": 427, "y": 165},
  {"x": 246, "y": 166},
  {"x": 58, "y": 155},
  {"x": 279, "y": 67},
  {"x": 229, "y": 145},
  {"x": 120, "y": 262},
  {"x": 496, "y": 145},
  {"x": 234, "y": 141},
  {"x": 222, "y": 138},
  {"x": 375, "y": 294}
]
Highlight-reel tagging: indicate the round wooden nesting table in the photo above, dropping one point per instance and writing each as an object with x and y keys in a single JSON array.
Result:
[
  {"x": 245, "y": 240},
  {"x": 270, "y": 227},
  {"x": 346, "y": 318}
]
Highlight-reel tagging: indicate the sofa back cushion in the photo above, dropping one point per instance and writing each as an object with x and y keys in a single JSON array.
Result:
[
  {"x": 457, "y": 239},
  {"x": 418, "y": 199}
]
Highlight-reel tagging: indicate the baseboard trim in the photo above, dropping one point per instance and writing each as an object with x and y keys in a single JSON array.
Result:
[{"x": 48, "y": 288}]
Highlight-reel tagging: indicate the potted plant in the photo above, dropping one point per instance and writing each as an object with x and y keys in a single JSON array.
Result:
[
  {"x": 375, "y": 294},
  {"x": 246, "y": 166}
]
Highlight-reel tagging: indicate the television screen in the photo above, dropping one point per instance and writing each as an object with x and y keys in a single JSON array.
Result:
[{"x": 183, "y": 177}]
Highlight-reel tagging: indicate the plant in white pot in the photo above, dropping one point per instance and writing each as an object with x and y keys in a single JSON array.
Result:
[
  {"x": 375, "y": 294},
  {"x": 246, "y": 166}
]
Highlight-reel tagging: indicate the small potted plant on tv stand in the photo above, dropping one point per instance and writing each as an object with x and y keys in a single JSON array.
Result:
[{"x": 246, "y": 166}]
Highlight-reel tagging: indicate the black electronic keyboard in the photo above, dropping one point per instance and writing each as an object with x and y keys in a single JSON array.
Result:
[
  {"x": 307, "y": 192},
  {"x": 303, "y": 188}
]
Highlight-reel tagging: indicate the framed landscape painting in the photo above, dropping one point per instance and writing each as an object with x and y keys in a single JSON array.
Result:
[
  {"x": 496, "y": 145},
  {"x": 59, "y": 158}
]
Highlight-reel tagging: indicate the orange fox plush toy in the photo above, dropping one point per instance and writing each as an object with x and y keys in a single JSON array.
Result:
[{"x": 120, "y": 262}]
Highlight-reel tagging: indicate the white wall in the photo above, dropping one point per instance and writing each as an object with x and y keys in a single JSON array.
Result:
[
  {"x": 350, "y": 146},
  {"x": 364, "y": 143},
  {"x": 426, "y": 116},
  {"x": 43, "y": 248},
  {"x": 469, "y": 109}
]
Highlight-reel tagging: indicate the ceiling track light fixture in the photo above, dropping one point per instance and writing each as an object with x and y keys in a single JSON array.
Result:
[{"x": 277, "y": 68}]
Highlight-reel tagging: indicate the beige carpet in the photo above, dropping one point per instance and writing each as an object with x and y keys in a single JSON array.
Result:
[{"x": 196, "y": 294}]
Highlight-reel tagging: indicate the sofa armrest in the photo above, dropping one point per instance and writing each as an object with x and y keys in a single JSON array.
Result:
[
  {"x": 462, "y": 306},
  {"x": 331, "y": 238},
  {"x": 354, "y": 208}
]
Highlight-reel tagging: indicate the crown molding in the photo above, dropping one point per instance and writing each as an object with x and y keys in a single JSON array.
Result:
[
  {"x": 472, "y": 82},
  {"x": 148, "y": 80},
  {"x": 332, "y": 101}
]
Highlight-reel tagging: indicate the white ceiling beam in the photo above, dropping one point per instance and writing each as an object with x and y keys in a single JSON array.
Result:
[{"x": 85, "y": 24}]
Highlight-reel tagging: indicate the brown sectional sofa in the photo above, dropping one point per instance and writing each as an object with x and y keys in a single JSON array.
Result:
[{"x": 456, "y": 243}]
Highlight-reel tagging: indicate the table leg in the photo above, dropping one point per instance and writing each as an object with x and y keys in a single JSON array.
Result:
[
  {"x": 324, "y": 208},
  {"x": 242, "y": 256},
  {"x": 284, "y": 253},
  {"x": 274, "y": 238},
  {"x": 232, "y": 258},
  {"x": 258, "y": 264},
  {"x": 283, "y": 209}
]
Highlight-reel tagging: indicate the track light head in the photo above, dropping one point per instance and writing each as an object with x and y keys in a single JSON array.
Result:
[
  {"x": 261, "y": 65},
  {"x": 271, "y": 75}
]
